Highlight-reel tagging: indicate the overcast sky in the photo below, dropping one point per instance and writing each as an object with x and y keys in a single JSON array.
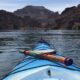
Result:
[{"x": 54, "y": 5}]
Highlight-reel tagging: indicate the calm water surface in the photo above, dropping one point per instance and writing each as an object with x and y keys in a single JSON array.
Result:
[{"x": 67, "y": 43}]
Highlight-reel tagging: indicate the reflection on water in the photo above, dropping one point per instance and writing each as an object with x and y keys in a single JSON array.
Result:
[{"x": 66, "y": 43}]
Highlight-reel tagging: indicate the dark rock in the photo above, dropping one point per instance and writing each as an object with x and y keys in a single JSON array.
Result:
[
  {"x": 39, "y": 15},
  {"x": 78, "y": 6},
  {"x": 38, "y": 12},
  {"x": 10, "y": 21},
  {"x": 69, "y": 19}
]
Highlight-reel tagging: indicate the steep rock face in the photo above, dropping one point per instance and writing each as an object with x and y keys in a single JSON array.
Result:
[
  {"x": 38, "y": 12},
  {"x": 10, "y": 21},
  {"x": 69, "y": 19},
  {"x": 40, "y": 16}
]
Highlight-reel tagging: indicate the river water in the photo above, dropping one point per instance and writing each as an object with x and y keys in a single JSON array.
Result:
[{"x": 67, "y": 43}]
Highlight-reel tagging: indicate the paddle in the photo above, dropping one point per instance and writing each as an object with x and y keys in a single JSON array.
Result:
[{"x": 47, "y": 56}]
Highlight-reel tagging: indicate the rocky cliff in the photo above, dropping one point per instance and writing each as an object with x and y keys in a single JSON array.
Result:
[
  {"x": 10, "y": 21},
  {"x": 69, "y": 19},
  {"x": 40, "y": 17}
]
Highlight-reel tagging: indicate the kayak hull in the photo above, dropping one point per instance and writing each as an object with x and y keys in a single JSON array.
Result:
[
  {"x": 32, "y": 68},
  {"x": 38, "y": 70},
  {"x": 41, "y": 73}
]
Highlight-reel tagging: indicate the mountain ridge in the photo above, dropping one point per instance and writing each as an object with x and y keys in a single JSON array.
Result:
[{"x": 40, "y": 17}]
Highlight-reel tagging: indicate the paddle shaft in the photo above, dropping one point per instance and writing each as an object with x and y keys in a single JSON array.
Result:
[{"x": 50, "y": 57}]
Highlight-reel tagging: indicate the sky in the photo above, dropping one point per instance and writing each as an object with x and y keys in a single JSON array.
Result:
[{"x": 54, "y": 5}]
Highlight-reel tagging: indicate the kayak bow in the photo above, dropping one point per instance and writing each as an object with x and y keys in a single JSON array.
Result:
[{"x": 44, "y": 66}]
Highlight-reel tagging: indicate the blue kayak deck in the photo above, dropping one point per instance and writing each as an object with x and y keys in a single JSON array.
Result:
[{"x": 31, "y": 63}]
